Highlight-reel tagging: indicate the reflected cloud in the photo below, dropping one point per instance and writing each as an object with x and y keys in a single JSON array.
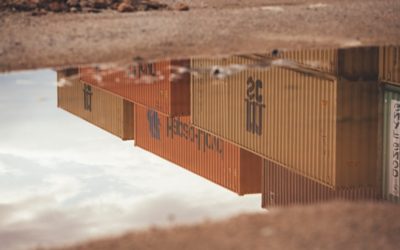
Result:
[{"x": 62, "y": 180}]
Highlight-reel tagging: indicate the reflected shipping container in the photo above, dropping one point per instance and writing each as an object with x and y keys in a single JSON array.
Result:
[
  {"x": 197, "y": 151},
  {"x": 96, "y": 106},
  {"x": 156, "y": 85},
  {"x": 349, "y": 63},
  {"x": 282, "y": 187},
  {"x": 391, "y": 144},
  {"x": 324, "y": 129},
  {"x": 389, "y": 64}
]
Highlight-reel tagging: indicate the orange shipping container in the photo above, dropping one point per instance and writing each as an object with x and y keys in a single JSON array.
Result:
[
  {"x": 155, "y": 85},
  {"x": 197, "y": 151},
  {"x": 96, "y": 106},
  {"x": 282, "y": 187}
]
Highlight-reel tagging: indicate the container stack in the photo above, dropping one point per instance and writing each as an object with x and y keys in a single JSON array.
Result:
[
  {"x": 300, "y": 127},
  {"x": 318, "y": 133},
  {"x": 161, "y": 122}
]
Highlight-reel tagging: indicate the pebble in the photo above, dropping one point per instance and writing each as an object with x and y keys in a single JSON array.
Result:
[
  {"x": 57, "y": 7},
  {"x": 73, "y": 3},
  {"x": 124, "y": 7},
  {"x": 39, "y": 12},
  {"x": 181, "y": 7}
]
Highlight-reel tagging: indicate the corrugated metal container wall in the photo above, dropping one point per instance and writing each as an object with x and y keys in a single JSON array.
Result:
[
  {"x": 155, "y": 85},
  {"x": 349, "y": 63},
  {"x": 197, "y": 151},
  {"x": 391, "y": 144},
  {"x": 389, "y": 64},
  {"x": 299, "y": 121},
  {"x": 100, "y": 108},
  {"x": 282, "y": 187}
]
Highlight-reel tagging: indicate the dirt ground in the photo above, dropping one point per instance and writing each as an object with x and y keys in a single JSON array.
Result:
[
  {"x": 209, "y": 28},
  {"x": 335, "y": 225}
]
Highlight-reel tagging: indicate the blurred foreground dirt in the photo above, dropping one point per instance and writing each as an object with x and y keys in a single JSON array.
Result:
[
  {"x": 335, "y": 225},
  {"x": 218, "y": 27}
]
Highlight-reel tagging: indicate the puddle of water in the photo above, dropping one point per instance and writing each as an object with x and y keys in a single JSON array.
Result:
[{"x": 312, "y": 117}]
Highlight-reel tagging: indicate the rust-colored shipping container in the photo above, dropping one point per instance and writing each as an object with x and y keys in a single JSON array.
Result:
[
  {"x": 96, "y": 106},
  {"x": 282, "y": 187},
  {"x": 324, "y": 129},
  {"x": 156, "y": 85},
  {"x": 389, "y": 64},
  {"x": 359, "y": 63},
  {"x": 197, "y": 151}
]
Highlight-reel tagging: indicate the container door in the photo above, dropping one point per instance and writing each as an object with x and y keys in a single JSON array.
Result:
[{"x": 391, "y": 147}]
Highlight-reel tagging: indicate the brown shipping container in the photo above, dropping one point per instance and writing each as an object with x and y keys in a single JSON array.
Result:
[
  {"x": 322, "y": 129},
  {"x": 389, "y": 64},
  {"x": 282, "y": 187},
  {"x": 98, "y": 107},
  {"x": 348, "y": 63},
  {"x": 155, "y": 85},
  {"x": 197, "y": 151}
]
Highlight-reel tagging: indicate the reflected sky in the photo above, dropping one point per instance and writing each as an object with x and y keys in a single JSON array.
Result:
[{"x": 63, "y": 180}]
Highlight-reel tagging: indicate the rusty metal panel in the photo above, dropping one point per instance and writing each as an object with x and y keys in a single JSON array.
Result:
[
  {"x": 290, "y": 118},
  {"x": 282, "y": 187},
  {"x": 357, "y": 132},
  {"x": 98, "y": 107},
  {"x": 356, "y": 64},
  {"x": 156, "y": 85},
  {"x": 176, "y": 140},
  {"x": 389, "y": 64}
]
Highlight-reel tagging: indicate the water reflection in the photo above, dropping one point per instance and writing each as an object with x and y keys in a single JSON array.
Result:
[
  {"x": 314, "y": 112},
  {"x": 62, "y": 180},
  {"x": 299, "y": 127}
]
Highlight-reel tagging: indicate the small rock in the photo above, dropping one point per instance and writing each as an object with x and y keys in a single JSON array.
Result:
[
  {"x": 90, "y": 10},
  {"x": 42, "y": 3},
  {"x": 57, "y": 7},
  {"x": 102, "y": 4},
  {"x": 73, "y": 3},
  {"x": 73, "y": 9},
  {"x": 114, "y": 6},
  {"x": 275, "y": 53},
  {"x": 124, "y": 7},
  {"x": 39, "y": 12},
  {"x": 143, "y": 7},
  {"x": 86, "y": 3},
  {"x": 181, "y": 7},
  {"x": 24, "y": 5},
  {"x": 152, "y": 5}
]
